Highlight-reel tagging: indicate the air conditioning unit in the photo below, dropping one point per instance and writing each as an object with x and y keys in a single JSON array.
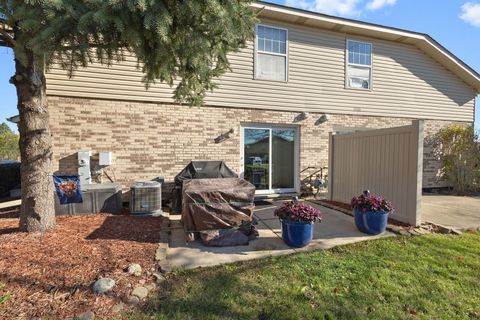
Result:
[{"x": 146, "y": 198}]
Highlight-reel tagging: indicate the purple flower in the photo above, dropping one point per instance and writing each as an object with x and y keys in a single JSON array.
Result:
[
  {"x": 295, "y": 211},
  {"x": 367, "y": 203}
]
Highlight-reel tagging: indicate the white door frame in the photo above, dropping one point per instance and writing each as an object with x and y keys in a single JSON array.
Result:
[{"x": 269, "y": 127}]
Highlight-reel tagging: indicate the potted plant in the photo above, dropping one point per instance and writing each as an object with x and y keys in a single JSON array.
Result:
[
  {"x": 297, "y": 222},
  {"x": 371, "y": 212}
]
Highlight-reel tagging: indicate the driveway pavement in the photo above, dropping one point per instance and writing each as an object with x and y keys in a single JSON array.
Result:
[
  {"x": 451, "y": 211},
  {"x": 336, "y": 229}
]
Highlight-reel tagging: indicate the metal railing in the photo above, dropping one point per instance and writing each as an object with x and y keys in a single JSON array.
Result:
[{"x": 315, "y": 181}]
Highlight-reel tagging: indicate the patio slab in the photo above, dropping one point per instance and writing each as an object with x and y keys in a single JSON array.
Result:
[{"x": 336, "y": 229}]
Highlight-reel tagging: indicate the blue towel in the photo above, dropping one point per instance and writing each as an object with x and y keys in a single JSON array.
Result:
[{"x": 68, "y": 189}]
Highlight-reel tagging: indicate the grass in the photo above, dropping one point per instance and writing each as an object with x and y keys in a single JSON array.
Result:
[
  {"x": 4, "y": 297},
  {"x": 427, "y": 277}
]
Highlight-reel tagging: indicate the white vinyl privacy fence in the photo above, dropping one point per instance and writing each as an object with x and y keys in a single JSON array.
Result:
[{"x": 388, "y": 162}]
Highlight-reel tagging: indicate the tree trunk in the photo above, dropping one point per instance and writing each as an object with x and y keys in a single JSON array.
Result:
[{"x": 37, "y": 211}]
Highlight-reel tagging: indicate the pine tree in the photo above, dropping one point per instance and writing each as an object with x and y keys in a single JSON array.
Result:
[{"x": 185, "y": 41}]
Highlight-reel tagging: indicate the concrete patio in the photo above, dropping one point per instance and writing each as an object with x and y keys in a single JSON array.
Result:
[
  {"x": 336, "y": 229},
  {"x": 451, "y": 211}
]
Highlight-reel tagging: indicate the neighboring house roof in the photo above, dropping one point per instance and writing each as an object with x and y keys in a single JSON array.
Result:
[{"x": 355, "y": 27}]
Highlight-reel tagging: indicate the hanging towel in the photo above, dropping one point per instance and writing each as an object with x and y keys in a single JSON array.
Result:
[{"x": 68, "y": 189}]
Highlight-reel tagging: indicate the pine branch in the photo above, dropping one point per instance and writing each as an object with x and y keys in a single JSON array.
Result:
[{"x": 185, "y": 40}]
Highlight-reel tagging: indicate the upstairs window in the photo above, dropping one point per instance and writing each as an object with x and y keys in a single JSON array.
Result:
[
  {"x": 359, "y": 65},
  {"x": 271, "y": 53}
]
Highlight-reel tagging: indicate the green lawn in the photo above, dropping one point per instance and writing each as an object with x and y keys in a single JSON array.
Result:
[{"x": 428, "y": 277}]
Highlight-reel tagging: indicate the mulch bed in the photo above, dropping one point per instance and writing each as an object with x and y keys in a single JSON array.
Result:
[
  {"x": 347, "y": 209},
  {"x": 342, "y": 205},
  {"x": 51, "y": 275}
]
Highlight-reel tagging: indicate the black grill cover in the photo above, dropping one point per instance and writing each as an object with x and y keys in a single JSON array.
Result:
[{"x": 198, "y": 170}]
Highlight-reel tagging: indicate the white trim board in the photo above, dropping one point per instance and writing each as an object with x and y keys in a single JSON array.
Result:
[{"x": 296, "y": 173}]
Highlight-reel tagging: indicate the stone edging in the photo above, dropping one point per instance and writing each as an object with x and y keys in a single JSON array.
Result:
[
  {"x": 162, "y": 250},
  {"x": 425, "y": 228}
]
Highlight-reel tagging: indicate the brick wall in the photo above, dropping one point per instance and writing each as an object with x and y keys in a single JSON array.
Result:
[{"x": 151, "y": 139}]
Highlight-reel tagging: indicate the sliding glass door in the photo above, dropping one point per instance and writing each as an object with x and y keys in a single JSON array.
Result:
[{"x": 270, "y": 158}]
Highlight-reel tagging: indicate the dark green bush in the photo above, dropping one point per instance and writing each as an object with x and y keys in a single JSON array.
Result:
[{"x": 9, "y": 177}]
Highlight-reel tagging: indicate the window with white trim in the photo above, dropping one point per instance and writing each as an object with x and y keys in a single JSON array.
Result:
[
  {"x": 359, "y": 65},
  {"x": 271, "y": 53}
]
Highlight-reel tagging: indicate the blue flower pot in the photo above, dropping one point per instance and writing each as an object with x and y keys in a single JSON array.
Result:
[
  {"x": 297, "y": 234},
  {"x": 371, "y": 222}
]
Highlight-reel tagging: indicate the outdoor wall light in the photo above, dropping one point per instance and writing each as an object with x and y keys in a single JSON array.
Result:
[
  {"x": 301, "y": 116},
  {"x": 224, "y": 136},
  {"x": 323, "y": 118}
]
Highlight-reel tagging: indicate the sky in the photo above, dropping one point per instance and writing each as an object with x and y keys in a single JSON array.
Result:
[{"x": 453, "y": 23}]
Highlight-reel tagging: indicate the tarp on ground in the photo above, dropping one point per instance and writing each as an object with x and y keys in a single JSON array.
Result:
[
  {"x": 198, "y": 170},
  {"x": 213, "y": 204}
]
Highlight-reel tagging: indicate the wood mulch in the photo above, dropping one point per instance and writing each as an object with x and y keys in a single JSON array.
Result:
[
  {"x": 51, "y": 275},
  {"x": 347, "y": 209},
  {"x": 344, "y": 206}
]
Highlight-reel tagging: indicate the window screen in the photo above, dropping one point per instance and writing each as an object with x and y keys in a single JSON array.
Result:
[
  {"x": 359, "y": 64},
  {"x": 271, "y": 51}
]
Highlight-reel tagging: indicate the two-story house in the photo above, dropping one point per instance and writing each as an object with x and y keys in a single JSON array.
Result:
[{"x": 305, "y": 75}]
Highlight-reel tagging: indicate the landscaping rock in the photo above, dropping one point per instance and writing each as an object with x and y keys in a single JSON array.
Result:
[
  {"x": 159, "y": 278},
  {"x": 88, "y": 315},
  {"x": 443, "y": 230},
  {"x": 165, "y": 267},
  {"x": 423, "y": 231},
  {"x": 142, "y": 281},
  {"x": 161, "y": 252},
  {"x": 151, "y": 287},
  {"x": 135, "y": 269},
  {"x": 140, "y": 292},
  {"x": 103, "y": 285},
  {"x": 404, "y": 233},
  {"x": 118, "y": 307},
  {"x": 456, "y": 231},
  {"x": 133, "y": 300},
  {"x": 393, "y": 228},
  {"x": 414, "y": 232}
]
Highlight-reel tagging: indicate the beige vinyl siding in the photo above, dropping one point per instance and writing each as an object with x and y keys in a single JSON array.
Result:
[{"x": 405, "y": 82}]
